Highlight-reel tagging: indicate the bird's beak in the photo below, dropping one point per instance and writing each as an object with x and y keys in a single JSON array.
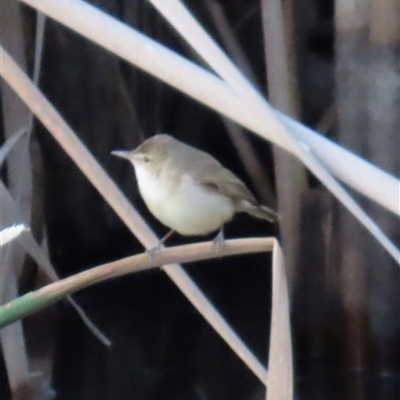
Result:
[{"x": 121, "y": 153}]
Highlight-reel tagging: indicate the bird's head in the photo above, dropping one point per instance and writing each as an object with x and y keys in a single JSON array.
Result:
[{"x": 151, "y": 154}]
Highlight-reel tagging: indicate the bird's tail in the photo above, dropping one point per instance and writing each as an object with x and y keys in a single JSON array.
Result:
[{"x": 259, "y": 211}]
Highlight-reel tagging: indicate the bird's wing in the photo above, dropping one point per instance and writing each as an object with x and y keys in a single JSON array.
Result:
[
  {"x": 236, "y": 190},
  {"x": 215, "y": 178}
]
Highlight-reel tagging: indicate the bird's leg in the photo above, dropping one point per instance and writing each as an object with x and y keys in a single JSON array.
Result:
[
  {"x": 218, "y": 241},
  {"x": 160, "y": 243},
  {"x": 167, "y": 236}
]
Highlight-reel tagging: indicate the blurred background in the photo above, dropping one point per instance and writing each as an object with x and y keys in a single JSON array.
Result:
[{"x": 341, "y": 76}]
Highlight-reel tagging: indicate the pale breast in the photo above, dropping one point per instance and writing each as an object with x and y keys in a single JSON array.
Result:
[{"x": 185, "y": 207}]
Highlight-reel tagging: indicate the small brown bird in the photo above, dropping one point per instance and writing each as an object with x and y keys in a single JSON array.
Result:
[{"x": 188, "y": 190}]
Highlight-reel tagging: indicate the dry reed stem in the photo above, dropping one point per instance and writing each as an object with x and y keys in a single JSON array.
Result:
[
  {"x": 368, "y": 103},
  {"x": 280, "y": 362},
  {"x": 351, "y": 15},
  {"x": 19, "y": 176},
  {"x": 46, "y": 113},
  {"x": 279, "y": 56},
  {"x": 13, "y": 342},
  {"x": 385, "y": 22},
  {"x": 229, "y": 39},
  {"x": 291, "y": 176},
  {"x": 250, "y": 160}
]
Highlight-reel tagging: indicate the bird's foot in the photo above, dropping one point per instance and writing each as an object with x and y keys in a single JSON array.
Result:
[
  {"x": 219, "y": 240},
  {"x": 160, "y": 244},
  {"x": 151, "y": 252}
]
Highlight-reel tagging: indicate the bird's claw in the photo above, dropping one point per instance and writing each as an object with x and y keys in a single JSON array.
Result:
[
  {"x": 219, "y": 240},
  {"x": 151, "y": 252}
]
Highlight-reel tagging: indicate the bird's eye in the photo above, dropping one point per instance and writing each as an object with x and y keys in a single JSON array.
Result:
[{"x": 146, "y": 159}]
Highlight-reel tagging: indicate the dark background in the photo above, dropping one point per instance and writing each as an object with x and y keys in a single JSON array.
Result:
[{"x": 162, "y": 348}]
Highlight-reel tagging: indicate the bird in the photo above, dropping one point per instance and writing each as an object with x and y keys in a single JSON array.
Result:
[{"x": 187, "y": 189}]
